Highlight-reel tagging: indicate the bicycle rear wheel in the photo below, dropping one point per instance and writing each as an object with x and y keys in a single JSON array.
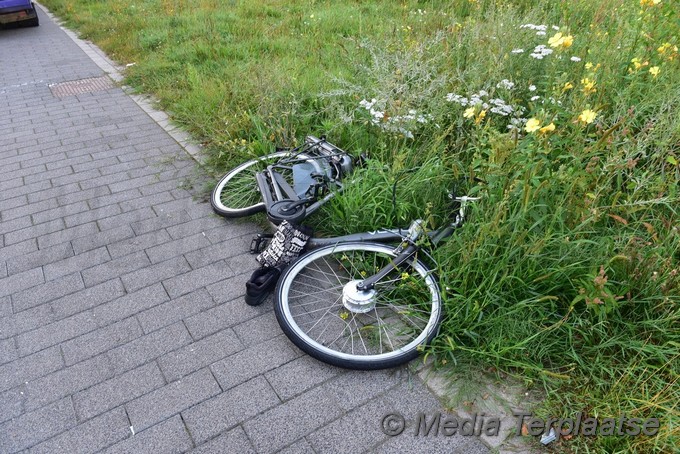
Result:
[
  {"x": 321, "y": 311},
  {"x": 237, "y": 194}
]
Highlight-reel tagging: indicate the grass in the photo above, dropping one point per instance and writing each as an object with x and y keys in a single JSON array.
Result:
[{"x": 566, "y": 275}]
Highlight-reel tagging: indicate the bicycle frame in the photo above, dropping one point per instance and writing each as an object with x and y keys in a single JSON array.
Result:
[
  {"x": 329, "y": 163},
  {"x": 407, "y": 238}
]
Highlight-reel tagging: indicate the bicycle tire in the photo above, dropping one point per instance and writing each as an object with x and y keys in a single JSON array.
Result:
[
  {"x": 245, "y": 188},
  {"x": 316, "y": 286}
]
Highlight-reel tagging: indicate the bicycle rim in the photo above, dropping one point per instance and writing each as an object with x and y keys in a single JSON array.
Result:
[
  {"x": 237, "y": 193},
  {"x": 318, "y": 307}
]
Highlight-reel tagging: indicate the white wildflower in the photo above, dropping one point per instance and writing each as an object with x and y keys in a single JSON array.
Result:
[
  {"x": 534, "y": 98},
  {"x": 541, "y": 51},
  {"x": 517, "y": 51},
  {"x": 505, "y": 83},
  {"x": 576, "y": 59},
  {"x": 532, "y": 87},
  {"x": 539, "y": 28}
]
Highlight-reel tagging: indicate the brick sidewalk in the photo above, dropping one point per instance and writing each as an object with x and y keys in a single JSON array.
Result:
[{"x": 122, "y": 321}]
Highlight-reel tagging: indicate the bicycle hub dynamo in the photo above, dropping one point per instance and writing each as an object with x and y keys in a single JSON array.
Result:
[{"x": 356, "y": 300}]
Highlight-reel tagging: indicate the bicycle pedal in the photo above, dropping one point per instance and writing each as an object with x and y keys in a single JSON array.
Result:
[{"x": 260, "y": 242}]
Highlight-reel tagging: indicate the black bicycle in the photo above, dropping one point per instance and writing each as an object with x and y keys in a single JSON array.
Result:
[{"x": 351, "y": 301}]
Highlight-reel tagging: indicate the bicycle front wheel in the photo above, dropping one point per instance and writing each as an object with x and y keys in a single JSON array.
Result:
[
  {"x": 237, "y": 193},
  {"x": 320, "y": 309}
]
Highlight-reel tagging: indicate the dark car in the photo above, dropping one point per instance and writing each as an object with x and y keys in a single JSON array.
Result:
[{"x": 18, "y": 11}]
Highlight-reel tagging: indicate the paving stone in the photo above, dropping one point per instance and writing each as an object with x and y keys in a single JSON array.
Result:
[
  {"x": 149, "y": 347},
  {"x": 16, "y": 224},
  {"x": 196, "y": 355},
  {"x": 32, "y": 231},
  {"x": 12, "y": 403},
  {"x": 125, "y": 218},
  {"x": 299, "y": 375},
  {"x": 67, "y": 235},
  {"x": 253, "y": 361},
  {"x": 234, "y": 440},
  {"x": 168, "y": 437},
  {"x": 67, "y": 381},
  {"x": 87, "y": 299},
  {"x": 131, "y": 264},
  {"x": 195, "y": 279},
  {"x": 84, "y": 194},
  {"x": 223, "y": 250},
  {"x": 234, "y": 288},
  {"x": 8, "y": 351},
  {"x": 258, "y": 329},
  {"x": 169, "y": 400},
  {"x": 104, "y": 238},
  {"x": 100, "y": 341},
  {"x": 13, "y": 324},
  {"x": 153, "y": 274},
  {"x": 56, "y": 332},
  {"x": 89, "y": 437},
  {"x": 117, "y": 391},
  {"x": 174, "y": 248},
  {"x": 5, "y": 308},
  {"x": 299, "y": 447},
  {"x": 228, "y": 409},
  {"x": 20, "y": 281},
  {"x": 46, "y": 292},
  {"x": 223, "y": 316},
  {"x": 160, "y": 222},
  {"x": 355, "y": 387},
  {"x": 282, "y": 425},
  {"x": 110, "y": 199},
  {"x": 138, "y": 243},
  {"x": 145, "y": 202},
  {"x": 130, "y": 304},
  {"x": 195, "y": 227},
  {"x": 34, "y": 427},
  {"x": 92, "y": 215},
  {"x": 39, "y": 258},
  {"x": 19, "y": 249},
  {"x": 59, "y": 212},
  {"x": 175, "y": 310},
  {"x": 77, "y": 263},
  {"x": 354, "y": 432}
]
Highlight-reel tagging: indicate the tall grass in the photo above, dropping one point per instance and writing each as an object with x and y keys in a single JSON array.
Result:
[{"x": 567, "y": 273}]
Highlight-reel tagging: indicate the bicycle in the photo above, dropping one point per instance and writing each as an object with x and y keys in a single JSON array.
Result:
[
  {"x": 289, "y": 184},
  {"x": 356, "y": 303}
]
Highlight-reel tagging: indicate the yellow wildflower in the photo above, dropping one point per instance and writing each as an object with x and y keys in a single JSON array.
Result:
[
  {"x": 559, "y": 40},
  {"x": 654, "y": 71},
  {"x": 589, "y": 65},
  {"x": 588, "y": 86},
  {"x": 549, "y": 128},
  {"x": 567, "y": 86},
  {"x": 469, "y": 112},
  {"x": 663, "y": 48},
  {"x": 637, "y": 63},
  {"x": 649, "y": 2},
  {"x": 587, "y": 116},
  {"x": 532, "y": 125},
  {"x": 480, "y": 117}
]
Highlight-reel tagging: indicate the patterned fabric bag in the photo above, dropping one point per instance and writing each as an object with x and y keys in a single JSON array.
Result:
[{"x": 285, "y": 246}]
